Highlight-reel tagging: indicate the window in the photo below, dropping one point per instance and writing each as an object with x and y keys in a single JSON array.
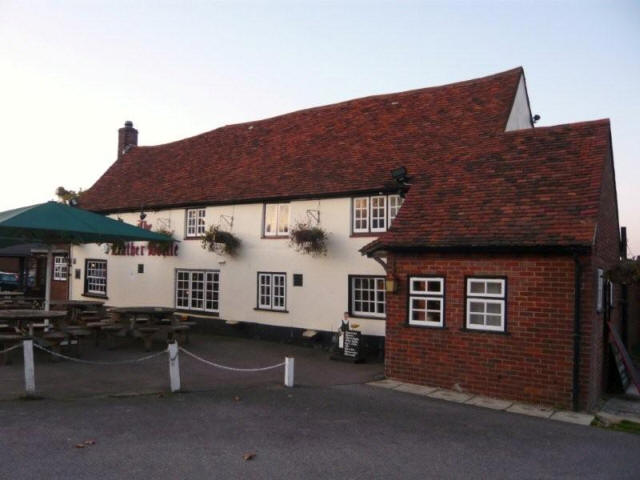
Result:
[
  {"x": 426, "y": 301},
  {"x": 272, "y": 291},
  {"x": 60, "y": 268},
  {"x": 276, "y": 220},
  {"x": 367, "y": 296},
  {"x": 375, "y": 213},
  {"x": 95, "y": 279},
  {"x": 198, "y": 290},
  {"x": 196, "y": 222},
  {"x": 486, "y": 304},
  {"x": 395, "y": 202}
]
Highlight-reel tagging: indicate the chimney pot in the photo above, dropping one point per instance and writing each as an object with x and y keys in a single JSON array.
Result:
[{"x": 127, "y": 138}]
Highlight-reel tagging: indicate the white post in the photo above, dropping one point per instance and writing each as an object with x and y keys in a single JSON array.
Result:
[
  {"x": 174, "y": 367},
  {"x": 29, "y": 369},
  {"x": 288, "y": 371}
]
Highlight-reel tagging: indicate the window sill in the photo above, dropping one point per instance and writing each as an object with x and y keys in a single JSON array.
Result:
[
  {"x": 367, "y": 317},
  {"x": 193, "y": 238},
  {"x": 270, "y": 310},
  {"x": 199, "y": 312},
  {"x": 274, "y": 237},
  {"x": 432, "y": 327},
  {"x": 94, "y": 295},
  {"x": 492, "y": 332},
  {"x": 365, "y": 234}
]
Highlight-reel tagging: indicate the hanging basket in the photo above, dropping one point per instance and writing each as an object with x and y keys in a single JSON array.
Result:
[
  {"x": 308, "y": 240},
  {"x": 161, "y": 248},
  {"x": 221, "y": 242}
]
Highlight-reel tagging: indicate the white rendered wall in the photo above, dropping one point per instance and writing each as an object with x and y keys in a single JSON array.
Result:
[
  {"x": 520, "y": 116},
  {"x": 319, "y": 304}
]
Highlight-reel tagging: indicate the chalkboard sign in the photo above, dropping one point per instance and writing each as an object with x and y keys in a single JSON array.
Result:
[{"x": 349, "y": 347}]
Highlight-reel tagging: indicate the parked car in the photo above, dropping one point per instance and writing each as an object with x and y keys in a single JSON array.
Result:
[{"x": 9, "y": 281}]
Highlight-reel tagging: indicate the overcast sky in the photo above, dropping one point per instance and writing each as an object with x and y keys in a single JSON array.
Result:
[{"x": 71, "y": 73}]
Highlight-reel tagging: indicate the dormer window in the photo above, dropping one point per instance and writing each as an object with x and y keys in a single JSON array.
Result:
[
  {"x": 374, "y": 214},
  {"x": 196, "y": 222},
  {"x": 276, "y": 220}
]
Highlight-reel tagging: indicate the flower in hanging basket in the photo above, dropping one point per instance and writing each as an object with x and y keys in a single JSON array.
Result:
[
  {"x": 161, "y": 248},
  {"x": 308, "y": 240},
  {"x": 221, "y": 242}
]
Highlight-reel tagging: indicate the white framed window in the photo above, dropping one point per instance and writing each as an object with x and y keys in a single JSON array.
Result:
[
  {"x": 373, "y": 214},
  {"x": 272, "y": 291},
  {"x": 361, "y": 214},
  {"x": 95, "y": 279},
  {"x": 367, "y": 296},
  {"x": 276, "y": 219},
  {"x": 60, "y": 268},
  {"x": 196, "y": 222},
  {"x": 426, "y": 301},
  {"x": 198, "y": 290},
  {"x": 486, "y": 303},
  {"x": 395, "y": 202}
]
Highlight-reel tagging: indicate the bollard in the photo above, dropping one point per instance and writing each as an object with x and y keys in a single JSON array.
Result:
[
  {"x": 29, "y": 369},
  {"x": 288, "y": 371},
  {"x": 174, "y": 367}
]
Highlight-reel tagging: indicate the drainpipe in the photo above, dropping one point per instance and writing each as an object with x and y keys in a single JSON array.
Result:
[{"x": 576, "y": 332}]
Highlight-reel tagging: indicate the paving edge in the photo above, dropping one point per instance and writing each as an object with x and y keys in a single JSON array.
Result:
[{"x": 577, "y": 418}]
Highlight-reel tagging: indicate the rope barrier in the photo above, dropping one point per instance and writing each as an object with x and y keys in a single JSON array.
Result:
[
  {"x": 92, "y": 362},
  {"x": 7, "y": 350},
  {"x": 233, "y": 369}
]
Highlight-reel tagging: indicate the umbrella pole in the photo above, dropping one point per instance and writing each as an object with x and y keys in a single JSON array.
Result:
[{"x": 47, "y": 289}]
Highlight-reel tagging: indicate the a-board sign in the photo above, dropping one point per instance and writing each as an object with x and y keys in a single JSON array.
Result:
[{"x": 349, "y": 346}]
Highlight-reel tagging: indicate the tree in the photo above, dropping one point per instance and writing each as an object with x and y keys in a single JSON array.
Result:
[{"x": 68, "y": 197}]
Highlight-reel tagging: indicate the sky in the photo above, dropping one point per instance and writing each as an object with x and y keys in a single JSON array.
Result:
[{"x": 72, "y": 72}]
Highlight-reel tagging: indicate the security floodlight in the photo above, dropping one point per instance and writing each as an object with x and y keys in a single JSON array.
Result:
[{"x": 400, "y": 175}]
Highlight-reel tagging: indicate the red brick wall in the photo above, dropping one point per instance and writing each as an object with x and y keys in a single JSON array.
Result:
[
  {"x": 10, "y": 264},
  {"x": 532, "y": 362}
]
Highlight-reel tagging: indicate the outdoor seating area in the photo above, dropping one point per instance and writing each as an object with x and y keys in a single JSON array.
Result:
[{"x": 71, "y": 322}]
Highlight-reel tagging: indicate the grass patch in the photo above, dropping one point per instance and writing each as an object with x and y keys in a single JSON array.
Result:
[{"x": 622, "y": 426}]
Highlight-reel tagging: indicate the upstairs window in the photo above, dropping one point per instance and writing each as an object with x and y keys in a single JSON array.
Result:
[
  {"x": 276, "y": 220},
  {"x": 374, "y": 214},
  {"x": 60, "y": 268},
  {"x": 196, "y": 222},
  {"x": 486, "y": 303}
]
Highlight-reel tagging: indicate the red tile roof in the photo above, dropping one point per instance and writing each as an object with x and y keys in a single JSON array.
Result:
[
  {"x": 341, "y": 148},
  {"x": 534, "y": 187}
]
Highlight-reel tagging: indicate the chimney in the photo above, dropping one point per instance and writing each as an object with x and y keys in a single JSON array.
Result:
[{"x": 127, "y": 138}]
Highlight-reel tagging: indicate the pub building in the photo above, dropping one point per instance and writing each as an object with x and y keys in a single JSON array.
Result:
[{"x": 463, "y": 241}]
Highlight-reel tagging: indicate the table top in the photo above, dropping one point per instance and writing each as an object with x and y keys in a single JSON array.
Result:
[
  {"x": 78, "y": 303},
  {"x": 30, "y": 314},
  {"x": 158, "y": 310}
]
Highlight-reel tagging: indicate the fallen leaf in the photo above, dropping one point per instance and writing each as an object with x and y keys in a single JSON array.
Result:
[
  {"x": 79, "y": 445},
  {"x": 248, "y": 456}
]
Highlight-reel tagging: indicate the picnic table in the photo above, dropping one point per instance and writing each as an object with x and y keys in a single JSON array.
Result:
[
  {"x": 147, "y": 323},
  {"x": 17, "y": 324},
  {"x": 77, "y": 308}
]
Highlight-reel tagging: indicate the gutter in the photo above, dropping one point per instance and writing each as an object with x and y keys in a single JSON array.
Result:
[{"x": 576, "y": 333}]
